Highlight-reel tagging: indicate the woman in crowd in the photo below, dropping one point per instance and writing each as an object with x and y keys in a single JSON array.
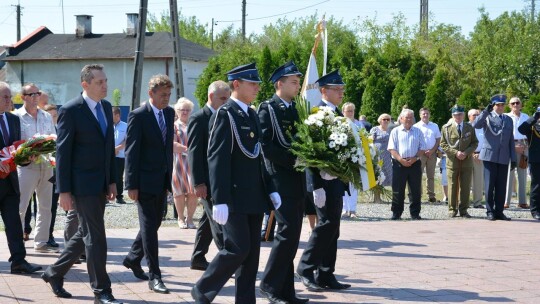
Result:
[
  {"x": 380, "y": 135},
  {"x": 183, "y": 191}
]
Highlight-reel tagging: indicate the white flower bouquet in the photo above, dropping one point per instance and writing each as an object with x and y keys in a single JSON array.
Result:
[{"x": 335, "y": 145}]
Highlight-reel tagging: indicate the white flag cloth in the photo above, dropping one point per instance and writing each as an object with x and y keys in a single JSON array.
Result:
[{"x": 310, "y": 90}]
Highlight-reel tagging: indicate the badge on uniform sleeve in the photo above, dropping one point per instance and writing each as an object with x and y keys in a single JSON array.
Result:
[{"x": 251, "y": 134}]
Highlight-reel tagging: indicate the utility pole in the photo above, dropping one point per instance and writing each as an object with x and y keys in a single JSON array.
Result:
[
  {"x": 18, "y": 9},
  {"x": 424, "y": 15},
  {"x": 139, "y": 56},
  {"x": 532, "y": 10},
  {"x": 212, "y": 34},
  {"x": 178, "y": 75},
  {"x": 244, "y": 20}
]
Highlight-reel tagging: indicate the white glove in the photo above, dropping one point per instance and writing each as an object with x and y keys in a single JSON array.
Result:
[
  {"x": 319, "y": 197},
  {"x": 220, "y": 213},
  {"x": 326, "y": 176},
  {"x": 276, "y": 200}
]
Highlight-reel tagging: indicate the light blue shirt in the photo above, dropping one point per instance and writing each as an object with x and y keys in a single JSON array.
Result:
[
  {"x": 120, "y": 134},
  {"x": 407, "y": 143}
]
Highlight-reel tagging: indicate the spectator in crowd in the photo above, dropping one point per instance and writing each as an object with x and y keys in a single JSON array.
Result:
[
  {"x": 531, "y": 129},
  {"x": 444, "y": 176},
  {"x": 459, "y": 142},
  {"x": 52, "y": 110},
  {"x": 218, "y": 94},
  {"x": 478, "y": 164},
  {"x": 182, "y": 185},
  {"x": 365, "y": 123},
  {"x": 43, "y": 100},
  {"x": 498, "y": 152},
  {"x": 380, "y": 135},
  {"x": 432, "y": 137},
  {"x": 10, "y": 129},
  {"x": 149, "y": 162},
  {"x": 35, "y": 177},
  {"x": 522, "y": 151},
  {"x": 350, "y": 199},
  {"x": 407, "y": 145},
  {"x": 120, "y": 134}
]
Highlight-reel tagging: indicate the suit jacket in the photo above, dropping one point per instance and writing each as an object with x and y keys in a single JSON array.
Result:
[
  {"x": 235, "y": 179},
  {"x": 279, "y": 160},
  {"x": 149, "y": 161},
  {"x": 333, "y": 188},
  {"x": 467, "y": 144},
  {"x": 84, "y": 157},
  {"x": 14, "y": 128},
  {"x": 498, "y": 146},
  {"x": 198, "y": 146},
  {"x": 531, "y": 129}
]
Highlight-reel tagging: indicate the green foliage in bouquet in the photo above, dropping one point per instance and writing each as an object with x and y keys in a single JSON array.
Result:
[{"x": 34, "y": 147}]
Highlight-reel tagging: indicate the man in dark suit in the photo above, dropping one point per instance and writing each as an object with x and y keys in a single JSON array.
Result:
[
  {"x": 218, "y": 94},
  {"x": 321, "y": 251},
  {"x": 149, "y": 159},
  {"x": 10, "y": 129},
  {"x": 531, "y": 129},
  {"x": 498, "y": 152},
  {"x": 86, "y": 180},
  {"x": 277, "y": 117},
  {"x": 239, "y": 190}
]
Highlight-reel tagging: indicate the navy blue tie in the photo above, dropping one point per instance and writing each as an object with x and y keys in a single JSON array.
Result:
[
  {"x": 101, "y": 119},
  {"x": 162, "y": 126}
]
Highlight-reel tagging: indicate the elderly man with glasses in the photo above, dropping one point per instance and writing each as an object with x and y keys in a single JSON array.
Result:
[{"x": 498, "y": 152}]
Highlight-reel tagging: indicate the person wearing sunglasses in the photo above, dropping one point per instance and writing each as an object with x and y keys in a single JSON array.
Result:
[
  {"x": 498, "y": 152},
  {"x": 522, "y": 151}
]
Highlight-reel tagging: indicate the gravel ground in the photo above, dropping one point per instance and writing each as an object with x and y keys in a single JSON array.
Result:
[{"x": 125, "y": 216}]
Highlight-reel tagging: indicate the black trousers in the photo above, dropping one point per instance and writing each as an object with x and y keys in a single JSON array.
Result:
[
  {"x": 401, "y": 176},
  {"x": 535, "y": 187},
  {"x": 321, "y": 250},
  {"x": 150, "y": 208},
  {"x": 207, "y": 231},
  {"x": 54, "y": 209},
  {"x": 495, "y": 186},
  {"x": 278, "y": 276},
  {"x": 240, "y": 255},
  {"x": 120, "y": 163},
  {"x": 9, "y": 209},
  {"x": 90, "y": 239},
  {"x": 29, "y": 214}
]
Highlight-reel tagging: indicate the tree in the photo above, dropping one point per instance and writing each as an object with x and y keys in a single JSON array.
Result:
[
  {"x": 437, "y": 99},
  {"x": 377, "y": 95},
  {"x": 265, "y": 68},
  {"x": 189, "y": 27},
  {"x": 469, "y": 99}
]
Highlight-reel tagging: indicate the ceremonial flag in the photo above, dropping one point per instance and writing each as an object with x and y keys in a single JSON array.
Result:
[{"x": 310, "y": 90}]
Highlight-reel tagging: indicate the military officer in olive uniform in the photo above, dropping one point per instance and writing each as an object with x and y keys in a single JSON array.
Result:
[
  {"x": 531, "y": 129},
  {"x": 498, "y": 152},
  {"x": 459, "y": 142},
  {"x": 239, "y": 188},
  {"x": 278, "y": 116}
]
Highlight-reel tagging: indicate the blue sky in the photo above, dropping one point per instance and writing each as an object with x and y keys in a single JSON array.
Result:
[{"x": 109, "y": 16}]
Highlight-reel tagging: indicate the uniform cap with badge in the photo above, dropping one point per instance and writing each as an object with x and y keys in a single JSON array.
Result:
[
  {"x": 331, "y": 79},
  {"x": 288, "y": 69},
  {"x": 499, "y": 98},
  {"x": 457, "y": 109},
  {"x": 247, "y": 72}
]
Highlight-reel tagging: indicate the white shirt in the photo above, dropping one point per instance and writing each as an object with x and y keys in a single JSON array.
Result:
[
  {"x": 518, "y": 120},
  {"x": 431, "y": 133},
  {"x": 242, "y": 105},
  {"x": 92, "y": 105},
  {"x": 405, "y": 142}
]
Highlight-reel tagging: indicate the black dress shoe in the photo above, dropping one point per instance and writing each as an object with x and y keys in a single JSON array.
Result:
[
  {"x": 157, "y": 286},
  {"x": 491, "y": 217},
  {"x": 24, "y": 267},
  {"x": 465, "y": 215},
  {"x": 272, "y": 299},
  {"x": 200, "y": 265},
  {"x": 416, "y": 217},
  {"x": 82, "y": 258},
  {"x": 536, "y": 216},
  {"x": 310, "y": 283},
  {"x": 503, "y": 217},
  {"x": 138, "y": 272},
  {"x": 57, "y": 286},
  {"x": 297, "y": 300},
  {"x": 479, "y": 207},
  {"x": 105, "y": 298},
  {"x": 395, "y": 217},
  {"x": 51, "y": 242},
  {"x": 121, "y": 201},
  {"x": 332, "y": 283},
  {"x": 198, "y": 296}
]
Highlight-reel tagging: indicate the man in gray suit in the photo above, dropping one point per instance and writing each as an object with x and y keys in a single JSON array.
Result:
[{"x": 497, "y": 152}]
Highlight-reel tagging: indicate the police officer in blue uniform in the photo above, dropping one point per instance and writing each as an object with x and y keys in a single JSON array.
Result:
[
  {"x": 277, "y": 117},
  {"x": 318, "y": 262},
  {"x": 498, "y": 152},
  {"x": 239, "y": 188}
]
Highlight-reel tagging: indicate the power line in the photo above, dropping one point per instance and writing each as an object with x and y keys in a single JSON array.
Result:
[{"x": 272, "y": 16}]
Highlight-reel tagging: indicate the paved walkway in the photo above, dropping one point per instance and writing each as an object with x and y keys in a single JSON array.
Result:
[{"x": 445, "y": 261}]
